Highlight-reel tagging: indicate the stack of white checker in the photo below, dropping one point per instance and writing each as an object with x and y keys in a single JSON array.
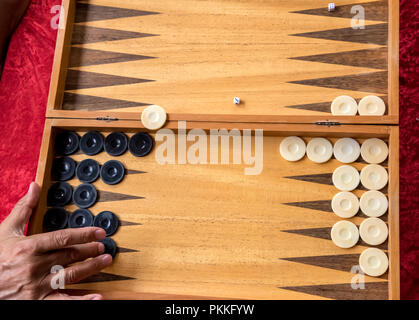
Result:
[{"x": 345, "y": 204}]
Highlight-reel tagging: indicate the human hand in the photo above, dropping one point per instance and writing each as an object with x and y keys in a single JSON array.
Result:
[{"x": 25, "y": 262}]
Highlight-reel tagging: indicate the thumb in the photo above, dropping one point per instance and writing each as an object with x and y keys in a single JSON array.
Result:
[
  {"x": 22, "y": 211},
  {"x": 63, "y": 296}
]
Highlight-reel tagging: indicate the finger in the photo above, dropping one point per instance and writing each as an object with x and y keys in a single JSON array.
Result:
[
  {"x": 63, "y": 296},
  {"x": 74, "y": 254},
  {"x": 63, "y": 238},
  {"x": 85, "y": 269},
  {"x": 22, "y": 211}
]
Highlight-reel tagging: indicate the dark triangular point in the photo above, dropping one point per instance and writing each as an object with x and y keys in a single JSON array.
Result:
[
  {"x": 84, "y": 80},
  {"x": 344, "y": 291},
  {"x": 324, "y": 107},
  {"x": 375, "y": 11},
  {"x": 326, "y": 206},
  {"x": 319, "y": 107},
  {"x": 88, "y": 12},
  {"x": 129, "y": 171},
  {"x": 340, "y": 262},
  {"x": 320, "y": 233},
  {"x": 123, "y": 223},
  {"x": 373, "y": 34},
  {"x": 324, "y": 233},
  {"x": 326, "y": 178},
  {"x": 85, "y": 57},
  {"x": 375, "y": 82},
  {"x": 343, "y": 262},
  {"x": 322, "y": 178},
  {"x": 85, "y": 34},
  {"x": 106, "y": 196},
  {"x": 126, "y": 250},
  {"x": 320, "y": 205},
  {"x": 368, "y": 58},
  {"x": 73, "y": 101},
  {"x": 105, "y": 277}
]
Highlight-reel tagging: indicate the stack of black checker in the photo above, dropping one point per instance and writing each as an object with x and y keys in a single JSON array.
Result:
[{"x": 87, "y": 171}]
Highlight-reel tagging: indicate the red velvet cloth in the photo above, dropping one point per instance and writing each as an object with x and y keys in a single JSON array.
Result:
[
  {"x": 23, "y": 95},
  {"x": 24, "y": 91},
  {"x": 409, "y": 148}
]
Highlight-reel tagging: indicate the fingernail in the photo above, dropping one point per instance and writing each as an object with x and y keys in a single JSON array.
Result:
[
  {"x": 100, "y": 234},
  {"x": 101, "y": 247},
  {"x": 106, "y": 259},
  {"x": 96, "y": 297},
  {"x": 30, "y": 189}
]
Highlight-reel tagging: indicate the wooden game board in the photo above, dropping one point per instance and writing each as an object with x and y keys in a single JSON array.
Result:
[
  {"x": 286, "y": 60},
  {"x": 210, "y": 231}
]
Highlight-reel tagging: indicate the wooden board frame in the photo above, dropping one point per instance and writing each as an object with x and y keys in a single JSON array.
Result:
[
  {"x": 386, "y": 132},
  {"x": 352, "y": 126},
  {"x": 61, "y": 58}
]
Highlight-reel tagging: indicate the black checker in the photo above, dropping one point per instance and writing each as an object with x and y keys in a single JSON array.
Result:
[
  {"x": 116, "y": 143},
  {"x": 91, "y": 143},
  {"x": 63, "y": 169},
  {"x": 112, "y": 172},
  {"x": 88, "y": 170},
  {"x": 55, "y": 219},
  {"x": 107, "y": 221},
  {"x": 85, "y": 195},
  {"x": 59, "y": 194},
  {"x": 81, "y": 218},
  {"x": 110, "y": 246},
  {"x": 140, "y": 144},
  {"x": 66, "y": 143}
]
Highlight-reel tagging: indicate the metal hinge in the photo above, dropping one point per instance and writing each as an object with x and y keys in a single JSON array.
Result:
[
  {"x": 107, "y": 119},
  {"x": 328, "y": 123}
]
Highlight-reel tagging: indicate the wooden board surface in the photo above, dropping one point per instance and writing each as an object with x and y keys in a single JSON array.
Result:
[
  {"x": 212, "y": 231},
  {"x": 193, "y": 57}
]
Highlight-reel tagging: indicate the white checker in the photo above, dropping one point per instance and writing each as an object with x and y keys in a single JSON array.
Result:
[
  {"x": 319, "y": 150},
  {"x": 344, "y": 234},
  {"x": 344, "y": 106},
  {"x": 346, "y": 150},
  {"x": 374, "y": 150},
  {"x": 374, "y": 177},
  {"x": 373, "y": 203},
  {"x": 345, "y": 204},
  {"x": 373, "y": 231},
  {"x": 153, "y": 117},
  {"x": 371, "y": 106},
  {"x": 373, "y": 262},
  {"x": 292, "y": 148},
  {"x": 345, "y": 178}
]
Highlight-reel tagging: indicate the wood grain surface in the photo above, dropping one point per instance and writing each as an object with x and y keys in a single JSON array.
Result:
[
  {"x": 210, "y": 230},
  {"x": 280, "y": 57}
]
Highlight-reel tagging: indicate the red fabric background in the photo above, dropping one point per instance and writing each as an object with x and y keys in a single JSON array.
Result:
[
  {"x": 409, "y": 148},
  {"x": 24, "y": 91},
  {"x": 23, "y": 95}
]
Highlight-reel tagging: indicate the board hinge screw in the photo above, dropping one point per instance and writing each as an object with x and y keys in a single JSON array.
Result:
[
  {"x": 328, "y": 123},
  {"x": 107, "y": 119}
]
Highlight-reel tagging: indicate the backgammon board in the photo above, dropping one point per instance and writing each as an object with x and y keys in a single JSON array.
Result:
[{"x": 209, "y": 230}]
